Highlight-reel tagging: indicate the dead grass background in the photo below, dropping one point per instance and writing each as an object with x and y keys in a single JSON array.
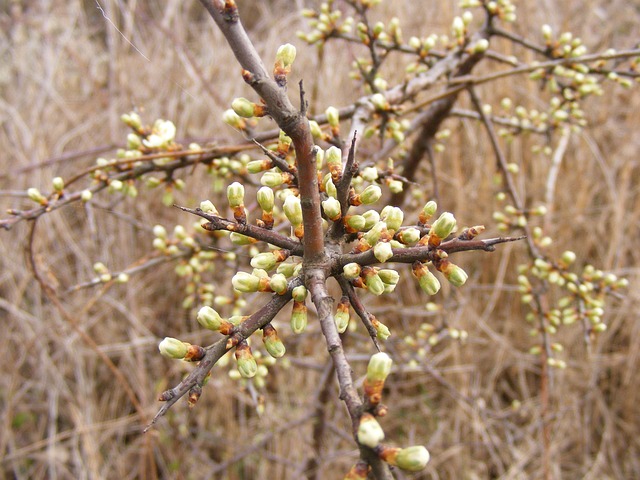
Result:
[{"x": 66, "y": 75}]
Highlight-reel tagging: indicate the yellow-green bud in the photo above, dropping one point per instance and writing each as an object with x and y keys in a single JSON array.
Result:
[
  {"x": 382, "y": 251},
  {"x": 245, "y": 282},
  {"x": 35, "y": 195},
  {"x": 355, "y": 223},
  {"x": 272, "y": 342},
  {"x": 370, "y": 195},
  {"x": 173, "y": 348},
  {"x": 388, "y": 276},
  {"x": 373, "y": 235},
  {"x": 341, "y": 317},
  {"x": 243, "y": 107},
  {"x": 266, "y": 199},
  {"x": 235, "y": 194},
  {"x": 370, "y": 432},
  {"x": 379, "y": 101},
  {"x": 240, "y": 239},
  {"x": 568, "y": 257},
  {"x": 278, "y": 283},
  {"x": 373, "y": 281},
  {"x": 285, "y": 55},
  {"x": 293, "y": 210},
  {"x": 333, "y": 116},
  {"x": 480, "y": 46},
  {"x": 58, "y": 184},
  {"x": 409, "y": 236},
  {"x": 207, "y": 206},
  {"x": 332, "y": 208},
  {"x": 444, "y": 225},
  {"x": 132, "y": 120},
  {"x": 330, "y": 187},
  {"x": 371, "y": 217},
  {"x": 370, "y": 174},
  {"x": 299, "y": 293},
  {"x": 316, "y": 131},
  {"x": 379, "y": 367},
  {"x": 230, "y": 117},
  {"x": 351, "y": 270},
  {"x": 456, "y": 275},
  {"x": 298, "y": 317},
  {"x": 264, "y": 261},
  {"x": 427, "y": 280},
  {"x": 86, "y": 195},
  {"x": 247, "y": 365},
  {"x": 393, "y": 216},
  {"x": 413, "y": 459},
  {"x": 209, "y": 318},
  {"x": 272, "y": 179},
  {"x": 287, "y": 269},
  {"x": 333, "y": 157}
]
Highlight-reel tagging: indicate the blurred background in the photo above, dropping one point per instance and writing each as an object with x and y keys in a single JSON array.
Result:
[{"x": 69, "y": 69}]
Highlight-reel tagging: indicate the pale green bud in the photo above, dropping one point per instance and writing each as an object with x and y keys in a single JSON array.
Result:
[
  {"x": 379, "y": 101},
  {"x": 86, "y": 195},
  {"x": 568, "y": 257},
  {"x": 278, "y": 283},
  {"x": 243, "y": 107},
  {"x": 235, "y": 194},
  {"x": 341, "y": 319},
  {"x": 207, "y": 206},
  {"x": 373, "y": 235},
  {"x": 409, "y": 236},
  {"x": 371, "y": 194},
  {"x": 379, "y": 367},
  {"x": 58, "y": 184},
  {"x": 245, "y": 282},
  {"x": 444, "y": 225},
  {"x": 413, "y": 459},
  {"x": 330, "y": 187},
  {"x": 209, "y": 318},
  {"x": 299, "y": 318},
  {"x": 456, "y": 275},
  {"x": 388, "y": 276},
  {"x": 264, "y": 261},
  {"x": 371, "y": 217},
  {"x": 382, "y": 251},
  {"x": 266, "y": 199},
  {"x": 374, "y": 283},
  {"x": 356, "y": 222},
  {"x": 395, "y": 186},
  {"x": 272, "y": 179},
  {"x": 333, "y": 157},
  {"x": 247, "y": 365},
  {"x": 293, "y": 210},
  {"x": 286, "y": 269},
  {"x": 370, "y": 174},
  {"x": 393, "y": 216},
  {"x": 132, "y": 120},
  {"x": 285, "y": 55},
  {"x": 299, "y": 293},
  {"x": 272, "y": 343},
  {"x": 480, "y": 46},
  {"x": 316, "y": 131},
  {"x": 332, "y": 208},
  {"x": 230, "y": 117},
  {"x": 240, "y": 239},
  {"x": 333, "y": 116},
  {"x": 351, "y": 270},
  {"x": 370, "y": 432},
  {"x": 35, "y": 195},
  {"x": 173, "y": 348},
  {"x": 457, "y": 27}
]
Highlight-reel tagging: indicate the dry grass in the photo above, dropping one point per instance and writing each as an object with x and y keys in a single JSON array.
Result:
[{"x": 66, "y": 76}]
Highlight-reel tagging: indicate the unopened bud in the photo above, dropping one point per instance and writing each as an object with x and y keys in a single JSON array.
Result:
[
  {"x": 444, "y": 225},
  {"x": 35, "y": 195},
  {"x": 286, "y": 55},
  {"x": 58, "y": 184},
  {"x": 427, "y": 280},
  {"x": 173, "y": 348},
  {"x": 382, "y": 251},
  {"x": 333, "y": 116},
  {"x": 373, "y": 281},
  {"x": 379, "y": 367},
  {"x": 245, "y": 282},
  {"x": 278, "y": 283},
  {"x": 208, "y": 207},
  {"x": 412, "y": 459},
  {"x": 351, "y": 270},
  {"x": 370, "y": 432},
  {"x": 243, "y": 107},
  {"x": 393, "y": 216},
  {"x": 293, "y": 210},
  {"x": 272, "y": 342},
  {"x": 209, "y": 318},
  {"x": 298, "y": 317},
  {"x": 332, "y": 208},
  {"x": 247, "y": 365},
  {"x": 370, "y": 195},
  {"x": 235, "y": 194}
]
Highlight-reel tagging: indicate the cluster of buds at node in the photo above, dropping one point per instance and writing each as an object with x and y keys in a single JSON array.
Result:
[
  {"x": 377, "y": 372},
  {"x": 325, "y": 23},
  {"x": 176, "y": 349}
]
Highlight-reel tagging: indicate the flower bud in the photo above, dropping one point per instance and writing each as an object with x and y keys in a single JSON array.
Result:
[
  {"x": 298, "y": 317},
  {"x": 333, "y": 157},
  {"x": 240, "y": 239},
  {"x": 278, "y": 283},
  {"x": 568, "y": 258},
  {"x": 371, "y": 217},
  {"x": 379, "y": 367},
  {"x": 273, "y": 179},
  {"x": 332, "y": 208},
  {"x": 264, "y": 261},
  {"x": 351, "y": 270},
  {"x": 427, "y": 211},
  {"x": 412, "y": 459},
  {"x": 382, "y": 331},
  {"x": 173, "y": 348},
  {"x": 388, "y": 276},
  {"x": 247, "y": 365},
  {"x": 285, "y": 55},
  {"x": 299, "y": 293},
  {"x": 235, "y": 195},
  {"x": 370, "y": 195},
  {"x": 370, "y": 432},
  {"x": 370, "y": 174},
  {"x": 333, "y": 117},
  {"x": 245, "y": 282},
  {"x": 408, "y": 236},
  {"x": 86, "y": 195},
  {"x": 354, "y": 223},
  {"x": 393, "y": 216},
  {"x": 231, "y": 118},
  {"x": 243, "y": 107},
  {"x": 208, "y": 207},
  {"x": 427, "y": 280},
  {"x": 35, "y": 195},
  {"x": 209, "y": 318},
  {"x": 266, "y": 199},
  {"x": 293, "y": 210},
  {"x": 272, "y": 342},
  {"x": 373, "y": 281},
  {"x": 373, "y": 235},
  {"x": 379, "y": 102},
  {"x": 132, "y": 120},
  {"x": 456, "y": 275},
  {"x": 382, "y": 251},
  {"x": 316, "y": 131},
  {"x": 341, "y": 317},
  {"x": 444, "y": 225},
  {"x": 58, "y": 184}
]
